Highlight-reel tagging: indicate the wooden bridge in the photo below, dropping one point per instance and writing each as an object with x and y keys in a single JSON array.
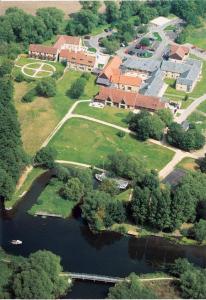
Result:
[{"x": 109, "y": 279}]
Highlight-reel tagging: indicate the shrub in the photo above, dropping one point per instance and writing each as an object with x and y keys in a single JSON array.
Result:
[
  {"x": 199, "y": 230},
  {"x": 86, "y": 75},
  {"x": 46, "y": 87},
  {"x": 77, "y": 88},
  {"x": 45, "y": 157},
  {"x": 121, "y": 134},
  {"x": 57, "y": 74},
  {"x": 19, "y": 77},
  {"x": 29, "y": 96}
]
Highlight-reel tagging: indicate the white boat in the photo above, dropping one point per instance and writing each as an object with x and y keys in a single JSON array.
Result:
[
  {"x": 121, "y": 183},
  {"x": 16, "y": 242}
]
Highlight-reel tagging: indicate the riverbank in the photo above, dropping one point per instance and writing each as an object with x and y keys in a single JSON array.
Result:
[{"x": 36, "y": 172}]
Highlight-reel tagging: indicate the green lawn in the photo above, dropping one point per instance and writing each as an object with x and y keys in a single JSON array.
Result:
[
  {"x": 88, "y": 142},
  {"x": 109, "y": 114},
  {"x": 196, "y": 36},
  {"x": 50, "y": 202},
  {"x": 99, "y": 29},
  {"x": 188, "y": 164},
  {"x": 40, "y": 117},
  {"x": 202, "y": 107},
  {"x": 199, "y": 120},
  {"x": 124, "y": 196},
  {"x": 157, "y": 36},
  {"x": 29, "y": 71},
  {"x": 170, "y": 28},
  {"x": 25, "y": 187}
]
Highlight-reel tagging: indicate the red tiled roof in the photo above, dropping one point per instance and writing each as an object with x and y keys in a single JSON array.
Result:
[
  {"x": 180, "y": 50},
  {"x": 112, "y": 68},
  {"x": 66, "y": 39},
  {"x": 42, "y": 49},
  {"x": 80, "y": 57},
  {"x": 130, "y": 98},
  {"x": 126, "y": 80}
]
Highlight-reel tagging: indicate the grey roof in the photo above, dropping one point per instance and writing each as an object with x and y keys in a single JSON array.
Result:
[
  {"x": 189, "y": 70},
  {"x": 141, "y": 64},
  {"x": 103, "y": 81},
  {"x": 154, "y": 84}
]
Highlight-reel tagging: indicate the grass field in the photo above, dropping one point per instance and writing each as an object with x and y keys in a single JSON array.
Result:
[
  {"x": 157, "y": 36},
  {"x": 40, "y": 117},
  {"x": 26, "y": 185},
  {"x": 188, "y": 163},
  {"x": 50, "y": 202},
  {"x": 199, "y": 120},
  {"x": 108, "y": 114},
  {"x": 88, "y": 142},
  {"x": 196, "y": 36},
  {"x": 124, "y": 196},
  {"x": 202, "y": 107}
]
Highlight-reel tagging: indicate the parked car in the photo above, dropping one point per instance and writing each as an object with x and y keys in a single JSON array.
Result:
[
  {"x": 87, "y": 37},
  {"x": 131, "y": 52},
  {"x": 122, "y": 45},
  {"x": 96, "y": 104}
]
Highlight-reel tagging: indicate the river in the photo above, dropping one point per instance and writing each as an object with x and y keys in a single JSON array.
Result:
[{"x": 82, "y": 251}]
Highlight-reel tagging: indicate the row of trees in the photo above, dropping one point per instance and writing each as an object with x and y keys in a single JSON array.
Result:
[
  {"x": 12, "y": 156},
  {"x": 35, "y": 277}
]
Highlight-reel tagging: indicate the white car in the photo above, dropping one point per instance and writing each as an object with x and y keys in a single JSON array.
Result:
[{"x": 97, "y": 104}]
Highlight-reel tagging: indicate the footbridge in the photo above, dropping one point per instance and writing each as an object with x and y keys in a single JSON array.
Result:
[{"x": 93, "y": 277}]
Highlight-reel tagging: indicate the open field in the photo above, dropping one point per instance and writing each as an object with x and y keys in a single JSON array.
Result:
[
  {"x": 50, "y": 202},
  {"x": 26, "y": 185},
  {"x": 40, "y": 117},
  {"x": 188, "y": 163},
  {"x": 88, "y": 142},
  {"x": 108, "y": 114},
  {"x": 196, "y": 36},
  {"x": 32, "y": 6}
]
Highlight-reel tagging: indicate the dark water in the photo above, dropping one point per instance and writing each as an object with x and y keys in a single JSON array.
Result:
[{"x": 81, "y": 251}]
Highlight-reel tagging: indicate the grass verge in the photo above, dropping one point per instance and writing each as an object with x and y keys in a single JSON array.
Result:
[
  {"x": 88, "y": 142},
  {"x": 188, "y": 163}
]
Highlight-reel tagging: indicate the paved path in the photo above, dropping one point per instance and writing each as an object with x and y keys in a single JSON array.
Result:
[
  {"x": 70, "y": 162},
  {"x": 186, "y": 112}
]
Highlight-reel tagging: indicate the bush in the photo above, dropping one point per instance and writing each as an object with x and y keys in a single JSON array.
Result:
[
  {"x": 19, "y": 77},
  {"x": 73, "y": 190},
  {"x": 86, "y": 76},
  {"x": 77, "y": 88},
  {"x": 29, "y": 96},
  {"x": 46, "y": 87},
  {"x": 121, "y": 134},
  {"x": 57, "y": 74},
  {"x": 145, "y": 42}
]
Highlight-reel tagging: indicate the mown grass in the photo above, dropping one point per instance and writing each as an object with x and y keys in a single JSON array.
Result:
[
  {"x": 25, "y": 187},
  {"x": 88, "y": 142},
  {"x": 52, "y": 203},
  {"x": 196, "y": 36},
  {"x": 199, "y": 120},
  {"x": 188, "y": 164},
  {"x": 39, "y": 118},
  {"x": 124, "y": 196},
  {"x": 108, "y": 114},
  {"x": 202, "y": 107}
]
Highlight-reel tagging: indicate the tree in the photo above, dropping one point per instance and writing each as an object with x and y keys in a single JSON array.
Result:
[
  {"x": 130, "y": 288},
  {"x": 193, "y": 284},
  {"x": 109, "y": 186},
  {"x": 82, "y": 22},
  {"x": 112, "y": 12},
  {"x": 139, "y": 205},
  {"x": 46, "y": 87},
  {"x": 166, "y": 116},
  {"x": 29, "y": 96},
  {"x": 73, "y": 190},
  {"x": 77, "y": 88},
  {"x": 38, "y": 277},
  {"x": 45, "y": 157},
  {"x": 126, "y": 166},
  {"x": 7, "y": 186},
  {"x": 111, "y": 46},
  {"x": 145, "y": 42},
  {"x": 199, "y": 230},
  {"x": 91, "y": 5},
  {"x": 203, "y": 164},
  {"x": 6, "y": 67}
]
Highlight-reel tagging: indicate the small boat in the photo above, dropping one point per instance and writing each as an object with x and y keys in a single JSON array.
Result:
[{"x": 16, "y": 242}]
